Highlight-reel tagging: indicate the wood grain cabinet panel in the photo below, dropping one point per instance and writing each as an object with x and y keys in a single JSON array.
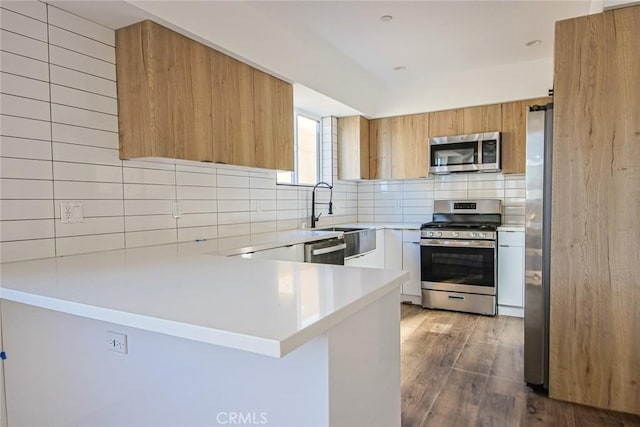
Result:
[
  {"x": 178, "y": 98},
  {"x": 380, "y": 148},
  {"x": 273, "y": 116},
  {"x": 595, "y": 281},
  {"x": 446, "y": 123},
  {"x": 514, "y": 134},
  {"x": 409, "y": 144},
  {"x": 485, "y": 118},
  {"x": 353, "y": 148}
]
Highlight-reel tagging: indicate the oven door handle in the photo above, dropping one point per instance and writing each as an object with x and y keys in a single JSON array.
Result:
[{"x": 459, "y": 243}]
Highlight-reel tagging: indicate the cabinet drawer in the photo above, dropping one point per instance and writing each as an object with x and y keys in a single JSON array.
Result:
[
  {"x": 411, "y": 236},
  {"x": 511, "y": 238}
]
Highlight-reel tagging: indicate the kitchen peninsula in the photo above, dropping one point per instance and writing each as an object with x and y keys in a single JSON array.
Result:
[{"x": 179, "y": 335}]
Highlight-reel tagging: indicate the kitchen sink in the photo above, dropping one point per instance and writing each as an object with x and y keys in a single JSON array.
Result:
[{"x": 358, "y": 240}]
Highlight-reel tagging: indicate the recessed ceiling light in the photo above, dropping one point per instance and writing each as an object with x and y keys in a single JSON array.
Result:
[
  {"x": 400, "y": 68},
  {"x": 386, "y": 18},
  {"x": 533, "y": 43}
]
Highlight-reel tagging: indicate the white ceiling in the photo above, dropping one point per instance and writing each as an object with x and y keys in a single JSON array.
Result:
[{"x": 457, "y": 53}]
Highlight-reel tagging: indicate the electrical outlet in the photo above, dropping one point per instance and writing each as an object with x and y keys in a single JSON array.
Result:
[
  {"x": 176, "y": 209},
  {"x": 71, "y": 212},
  {"x": 116, "y": 342}
]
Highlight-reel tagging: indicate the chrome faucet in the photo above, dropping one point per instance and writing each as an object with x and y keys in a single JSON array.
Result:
[{"x": 315, "y": 218}]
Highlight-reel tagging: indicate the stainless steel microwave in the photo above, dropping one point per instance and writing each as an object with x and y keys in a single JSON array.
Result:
[{"x": 478, "y": 152}]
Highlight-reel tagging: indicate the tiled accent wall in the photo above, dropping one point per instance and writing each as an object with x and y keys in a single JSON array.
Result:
[
  {"x": 411, "y": 201},
  {"x": 59, "y": 142}
]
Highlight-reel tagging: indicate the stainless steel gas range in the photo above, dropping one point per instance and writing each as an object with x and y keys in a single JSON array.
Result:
[{"x": 458, "y": 256}]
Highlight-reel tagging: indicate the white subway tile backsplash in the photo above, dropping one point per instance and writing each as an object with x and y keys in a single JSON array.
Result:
[
  {"x": 198, "y": 206},
  {"x": 23, "y": 66},
  {"x": 84, "y": 154},
  {"x": 186, "y": 234},
  {"x": 24, "y": 107},
  {"x": 149, "y": 191},
  {"x": 25, "y": 189},
  {"x": 82, "y": 99},
  {"x": 234, "y": 205},
  {"x": 195, "y": 179},
  {"x": 83, "y": 81},
  {"x": 24, "y": 128},
  {"x": 27, "y": 249},
  {"x": 229, "y": 230},
  {"x": 70, "y": 190},
  {"x": 33, "y": 9},
  {"x": 262, "y": 194},
  {"x": 148, "y": 176},
  {"x": 24, "y": 86},
  {"x": 81, "y": 44},
  {"x": 26, "y": 229},
  {"x": 96, "y": 225},
  {"x": 96, "y": 208},
  {"x": 79, "y": 25},
  {"x": 26, "y": 209},
  {"x": 85, "y": 118},
  {"x": 229, "y": 193},
  {"x": 91, "y": 137},
  {"x": 198, "y": 220},
  {"x": 86, "y": 172},
  {"x": 21, "y": 24},
  {"x": 149, "y": 207},
  {"x": 225, "y": 218},
  {"x": 202, "y": 193},
  {"x": 135, "y": 239},
  {"x": 232, "y": 181},
  {"x": 21, "y": 45},
  {"x": 149, "y": 222},
  {"x": 514, "y": 192},
  {"x": 79, "y": 62},
  {"x": 93, "y": 243},
  {"x": 26, "y": 169}
]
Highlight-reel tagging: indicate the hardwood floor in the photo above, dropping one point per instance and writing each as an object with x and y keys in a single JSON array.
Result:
[{"x": 466, "y": 370}]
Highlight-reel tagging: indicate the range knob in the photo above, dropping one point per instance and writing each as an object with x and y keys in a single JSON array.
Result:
[
  {"x": 483, "y": 235},
  {"x": 439, "y": 233},
  {"x": 455, "y": 234},
  {"x": 430, "y": 234},
  {"x": 474, "y": 234}
]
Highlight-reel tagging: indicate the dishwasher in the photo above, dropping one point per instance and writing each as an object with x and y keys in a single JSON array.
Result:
[{"x": 329, "y": 251}]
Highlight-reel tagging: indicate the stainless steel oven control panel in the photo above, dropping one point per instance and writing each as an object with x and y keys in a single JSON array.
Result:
[{"x": 458, "y": 234}]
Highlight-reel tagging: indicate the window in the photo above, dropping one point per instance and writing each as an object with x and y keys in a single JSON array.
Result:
[{"x": 306, "y": 153}]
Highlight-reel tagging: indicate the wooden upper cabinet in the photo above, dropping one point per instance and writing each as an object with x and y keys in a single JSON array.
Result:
[
  {"x": 380, "y": 148},
  {"x": 273, "y": 116},
  {"x": 232, "y": 110},
  {"x": 178, "y": 98},
  {"x": 514, "y": 134},
  {"x": 446, "y": 123},
  {"x": 485, "y": 118},
  {"x": 409, "y": 144},
  {"x": 353, "y": 148}
]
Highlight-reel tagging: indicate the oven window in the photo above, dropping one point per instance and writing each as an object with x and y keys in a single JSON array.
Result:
[
  {"x": 464, "y": 266},
  {"x": 460, "y": 153}
]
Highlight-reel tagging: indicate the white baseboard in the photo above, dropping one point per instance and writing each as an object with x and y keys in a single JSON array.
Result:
[
  {"x": 413, "y": 299},
  {"x": 507, "y": 310}
]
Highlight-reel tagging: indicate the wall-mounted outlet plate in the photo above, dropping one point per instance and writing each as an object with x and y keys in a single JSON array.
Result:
[
  {"x": 176, "y": 209},
  {"x": 116, "y": 342},
  {"x": 71, "y": 212}
]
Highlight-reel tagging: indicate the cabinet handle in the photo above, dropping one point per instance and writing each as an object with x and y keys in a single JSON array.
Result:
[
  {"x": 416, "y": 243},
  {"x": 456, "y": 297},
  {"x": 505, "y": 246}
]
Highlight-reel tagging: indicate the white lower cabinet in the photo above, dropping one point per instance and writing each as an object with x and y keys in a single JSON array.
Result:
[
  {"x": 402, "y": 252},
  {"x": 411, "y": 263},
  {"x": 373, "y": 259},
  {"x": 511, "y": 273},
  {"x": 284, "y": 253}
]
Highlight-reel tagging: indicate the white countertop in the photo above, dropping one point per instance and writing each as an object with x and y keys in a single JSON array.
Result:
[
  {"x": 265, "y": 307},
  {"x": 511, "y": 228},
  {"x": 382, "y": 225}
]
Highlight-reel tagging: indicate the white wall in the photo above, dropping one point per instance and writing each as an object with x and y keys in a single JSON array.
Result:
[{"x": 59, "y": 141}]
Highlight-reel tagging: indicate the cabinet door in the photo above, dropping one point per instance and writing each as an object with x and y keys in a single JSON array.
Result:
[
  {"x": 446, "y": 123},
  {"x": 380, "y": 148},
  {"x": 353, "y": 147},
  {"x": 366, "y": 260},
  {"x": 409, "y": 142},
  {"x": 273, "y": 122},
  {"x": 232, "y": 111},
  {"x": 411, "y": 263},
  {"x": 486, "y": 118},
  {"x": 393, "y": 249},
  {"x": 514, "y": 134},
  {"x": 511, "y": 275}
]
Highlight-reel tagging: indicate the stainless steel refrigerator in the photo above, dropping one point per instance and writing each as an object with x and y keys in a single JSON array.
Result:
[{"x": 537, "y": 245}]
